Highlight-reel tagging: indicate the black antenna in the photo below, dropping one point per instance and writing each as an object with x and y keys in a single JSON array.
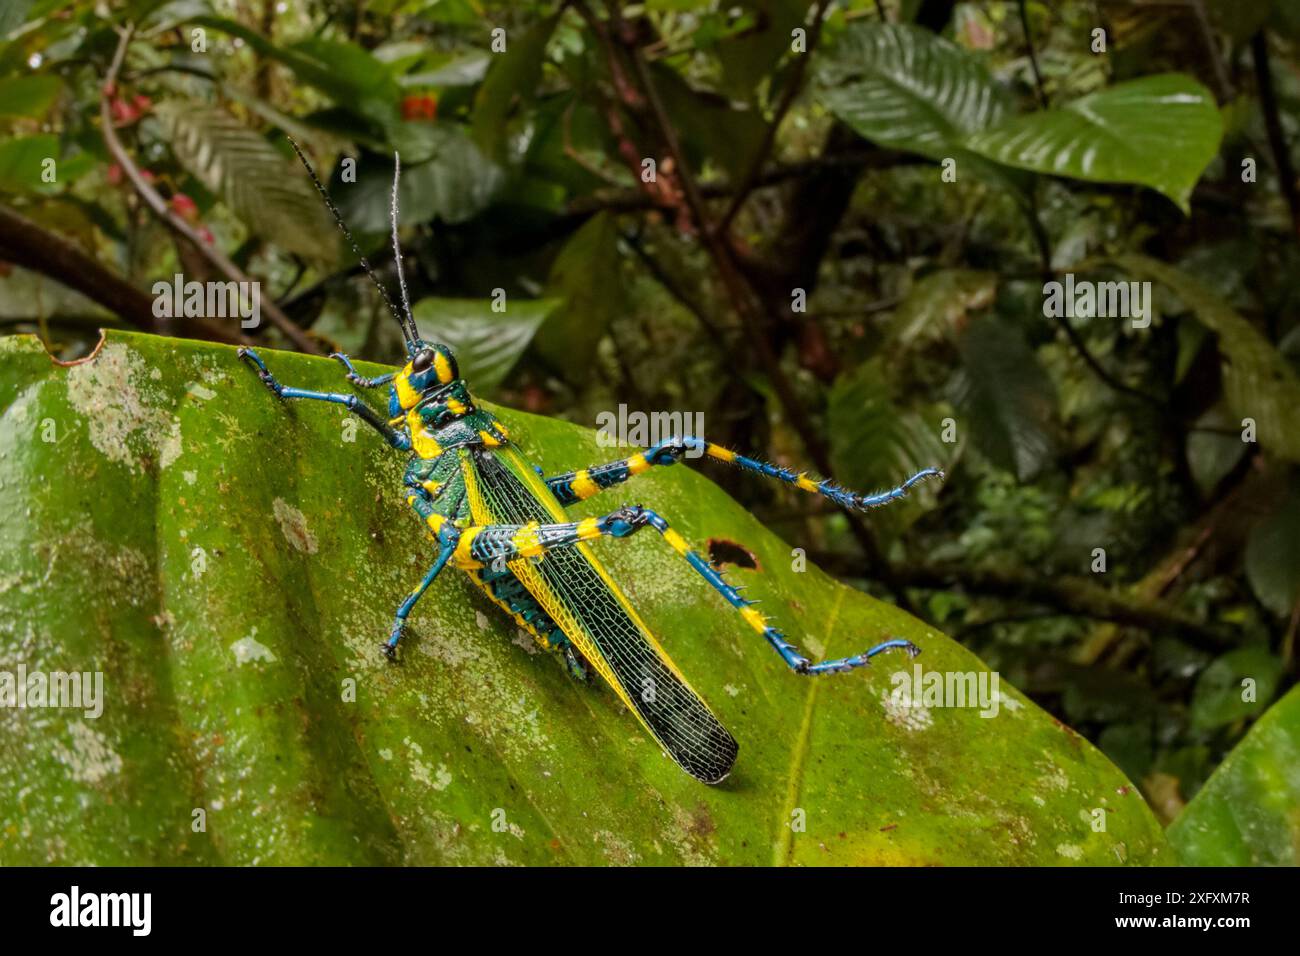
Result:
[
  {"x": 329, "y": 203},
  {"x": 397, "y": 249}
]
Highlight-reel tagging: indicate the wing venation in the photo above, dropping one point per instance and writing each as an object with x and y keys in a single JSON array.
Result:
[{"x": 586, "y": 603}]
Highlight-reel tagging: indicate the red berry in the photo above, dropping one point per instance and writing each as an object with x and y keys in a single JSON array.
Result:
[
  {"x": 419, "y": 107},
  {"x": 185, "y": 207},
  {"x": 124, "y": 114}
]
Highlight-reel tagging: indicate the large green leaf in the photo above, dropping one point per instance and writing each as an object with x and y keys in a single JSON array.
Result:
[
  {"x": 1158, "y": 131},
  {"x": 586, "y": 276},
  {"x": 467, "y": 70},
  {"x": 749, "y": 55},
  {"x": 272, "y": 197},
  {"x": 1273, "y": 556},
  {"x": 711, "y": 129},
  {"x": 455, "y": 185},
  {"x": 1258, "y": 381},
  {"x": 230, "y": 562},
  {"x": 28, "y": 96},
  {"x": 902, "y": 86},
  {"x": 487, "y": 343},
  {"x": 514, "y": 74},
  {"x": 22, "y": 162},
  {"x": 346, "y": 72},
  {"x": 1245, "y": 815}
]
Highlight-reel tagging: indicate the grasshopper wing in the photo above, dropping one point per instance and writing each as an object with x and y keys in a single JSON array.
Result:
[{"x": 581, "y": 597}]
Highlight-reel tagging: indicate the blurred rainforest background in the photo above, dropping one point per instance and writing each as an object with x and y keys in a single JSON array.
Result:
[{"x": 826, "y": 228}]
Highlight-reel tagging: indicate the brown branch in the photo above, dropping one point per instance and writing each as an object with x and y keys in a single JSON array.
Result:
[
  {"x": 752, "y": 311},
  {"x": 158, "y": 206},
  {"x": 1076, "y": 596},
  {"x": 1033, "y": 56},
  {"x": 577, "y": 157},
  {"x": 788, "y": 96},
  {"x": 1043, "y": 244},
  {"x": 1205, "y": 29},
  {"x": 674, "y": 289},
  {"x": 637, "y": 200},
  {"x": 1273, "y": 123},
  {"x": 752, "y": 318},
  {"x": 27, "y": 244}
]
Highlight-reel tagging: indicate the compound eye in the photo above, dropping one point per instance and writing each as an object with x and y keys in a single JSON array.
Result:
[{"x": 422, "y": 360}]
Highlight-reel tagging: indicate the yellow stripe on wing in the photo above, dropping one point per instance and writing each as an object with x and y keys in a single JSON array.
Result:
[
  {"x": 531, "y": 577},
  {"x": 525, "y": 474}
]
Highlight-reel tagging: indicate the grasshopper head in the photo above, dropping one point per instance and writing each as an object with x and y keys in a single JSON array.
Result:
[
  {"x": 432, "y": 366},
  {"x": 430, "y": 370}
]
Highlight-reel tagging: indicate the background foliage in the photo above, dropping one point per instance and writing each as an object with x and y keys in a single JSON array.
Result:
[{"x": 775, "y": 171}]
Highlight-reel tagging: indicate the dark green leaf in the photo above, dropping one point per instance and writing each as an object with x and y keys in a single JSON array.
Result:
[
  {"x": 749, "y": 58},
  {"x": 586, "y": 275},
  {"x": 513, "y": 75},
  {"x": 1258, "y": 382},
  {"x": 455, "y": 185},
  {"x": 1158, "y": 131},
  {"x": 1218, "y": 698},
  {"x": 21, "y": 162},
  {"x": 1215, "y": 450},
  {"x": 711, "y": 128},
  {"x": 1273, "y": 556},
  {"x": 28, "y": 96},
  {"x": 937, "y": 304},
  {"x": 875, "y": 444},
  {"x": 467, "y": 70},
  {"x": 487, "y": 343},
  {"x": 1006, "y": 397},
  {"x": 350, "y": 75},
  {"x": 905, "y": 87}
]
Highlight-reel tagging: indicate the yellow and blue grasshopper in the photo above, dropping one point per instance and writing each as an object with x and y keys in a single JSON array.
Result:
[{"x": 495, "y": 516}]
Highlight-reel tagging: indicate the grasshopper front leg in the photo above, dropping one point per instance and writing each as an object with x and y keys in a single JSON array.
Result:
[
  {"x": 446, "y": 548},
  {"x": 398, "y": 440},
  {"x": 358, "y": 380}
]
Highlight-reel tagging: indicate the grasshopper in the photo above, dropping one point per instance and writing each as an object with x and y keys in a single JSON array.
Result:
[{"x": 496, "y": 516}]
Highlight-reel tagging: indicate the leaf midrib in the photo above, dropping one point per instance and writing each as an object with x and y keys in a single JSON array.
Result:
[{"x": 798, "y": 755}]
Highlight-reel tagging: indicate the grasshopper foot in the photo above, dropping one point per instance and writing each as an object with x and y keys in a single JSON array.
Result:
[
  {"x": 255, "y": 361},
  {"x": 351, "y": 375},
  {"x": 864, "y": 503}
]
